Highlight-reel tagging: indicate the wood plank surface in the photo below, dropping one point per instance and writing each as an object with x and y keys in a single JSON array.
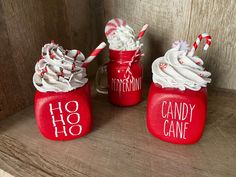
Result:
[
  {"x": 120, "y": 145},
  {"x": 4, "y": 174}
]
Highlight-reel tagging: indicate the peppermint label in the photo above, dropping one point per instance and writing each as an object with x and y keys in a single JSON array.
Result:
[
  {"x": 126, "y": 85},
  {"x": 177, "y": 117},
  {"x": 65, "y": 118}
]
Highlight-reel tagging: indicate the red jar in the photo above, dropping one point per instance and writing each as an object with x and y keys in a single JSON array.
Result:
[
  {"x": 124, "y": 77},
  {"x": 64, "y": 115},
  {"x": 176, "y": 116}
]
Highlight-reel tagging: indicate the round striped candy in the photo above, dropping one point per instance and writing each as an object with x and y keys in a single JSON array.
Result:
[{"x": 112, "y": 25}]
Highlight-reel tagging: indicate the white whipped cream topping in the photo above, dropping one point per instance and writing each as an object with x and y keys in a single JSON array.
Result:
[
  {"x": 59, "y": 70},
  {"x": 123, "y": 38},
  {"x": 177, "y": 70}
]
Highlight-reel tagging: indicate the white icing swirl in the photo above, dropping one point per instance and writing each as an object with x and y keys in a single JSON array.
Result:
[
  {"x": 177, "y": 70},
  {"x": 59, "y": 70},
  {"x": 123, "y": 38}
]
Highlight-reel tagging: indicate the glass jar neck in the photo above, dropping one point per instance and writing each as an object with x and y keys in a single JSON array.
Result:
[{"x": 123, "y": 57}]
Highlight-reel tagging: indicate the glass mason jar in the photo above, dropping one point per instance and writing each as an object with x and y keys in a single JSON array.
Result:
[
  {"x": 64, "y": 115},
  {"x": 124, "y": 77}
]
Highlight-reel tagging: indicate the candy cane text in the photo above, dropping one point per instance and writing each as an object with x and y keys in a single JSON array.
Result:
[{"x": 178, "y": 116}]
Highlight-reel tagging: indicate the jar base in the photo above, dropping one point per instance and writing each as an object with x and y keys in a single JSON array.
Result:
[
  {"x": 64, "y": 115},
  {"x": 176, "y": 116}
]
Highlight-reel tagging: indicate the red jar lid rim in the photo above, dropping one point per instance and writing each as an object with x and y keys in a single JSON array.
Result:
[{"x": 124, "y": 55}]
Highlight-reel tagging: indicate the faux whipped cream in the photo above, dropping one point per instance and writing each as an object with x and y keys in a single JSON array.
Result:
[
  {"x": 178, "y": 70},
  {"x": 123, "y": 38},
  {"x": 59, "y": 70}
]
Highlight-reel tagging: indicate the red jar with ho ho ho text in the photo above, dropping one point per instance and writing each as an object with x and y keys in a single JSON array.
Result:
[
  {"x": 64, "y": 115},
  {"x": 124, "y": 77}
]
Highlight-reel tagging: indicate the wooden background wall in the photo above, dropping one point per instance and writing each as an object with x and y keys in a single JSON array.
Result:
[
  {"x": 28, "y": 24},
  {"x": 170, "y": 20}
]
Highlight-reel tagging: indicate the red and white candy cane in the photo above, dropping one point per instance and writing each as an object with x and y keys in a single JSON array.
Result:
[
  {"x": 142, "y": 31},
  {"x": 197, "y": 42},
  {"x": 140, "y": 35},
  {"x": 112, "y": 25},
  {"x": 93, "y": 55},
  {"x": 77, "y": 56},
  {"x": 136, "y": 54}
]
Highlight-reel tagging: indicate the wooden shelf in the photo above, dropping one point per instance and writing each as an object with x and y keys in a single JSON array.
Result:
[{"x": 120, "y": 145}]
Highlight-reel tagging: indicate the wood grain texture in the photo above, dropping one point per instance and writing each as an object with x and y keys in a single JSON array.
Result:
[
  {"x": 172, "y": 20},
  {"x": 9, "y": 80},
  {"x": 26, "y": 25},
  {"x": 219, "y": 19},
  {"x": 120, "y": 145},
  {"x": 4, "y": 174}
]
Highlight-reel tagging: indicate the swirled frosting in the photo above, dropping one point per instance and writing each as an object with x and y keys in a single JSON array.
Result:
[
  {"x": 123, "y": 38},
  {"x": 59, "y": 70},
  {"x": 178, "y": 70}
]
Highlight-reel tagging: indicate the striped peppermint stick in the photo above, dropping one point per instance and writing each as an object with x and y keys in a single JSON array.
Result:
[
  {"x": 197, "y": 42},
  {"x": 142, "y": 31},
  {"x": 94, "y": 54},
  {"x": 140, "y": 35},
  {"x": 112, "y": 25}
]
